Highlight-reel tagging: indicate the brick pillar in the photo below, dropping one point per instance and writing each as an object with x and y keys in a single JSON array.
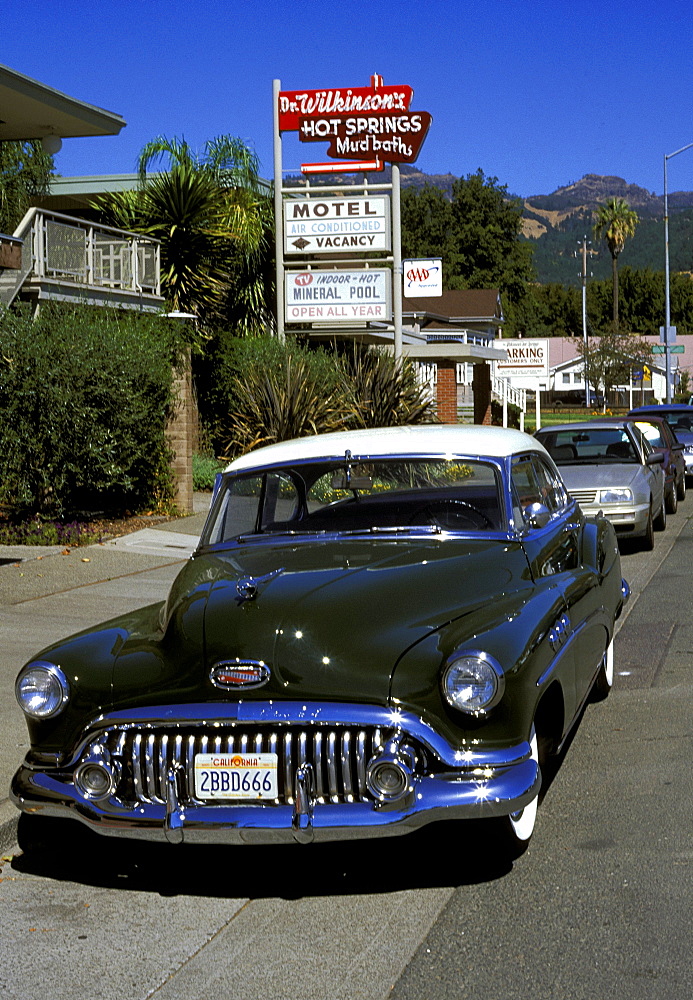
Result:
[
  {"x": 446, "y": 391},
  {"x": 179, "y": 436},
  {"x": 481, "y": 384}
]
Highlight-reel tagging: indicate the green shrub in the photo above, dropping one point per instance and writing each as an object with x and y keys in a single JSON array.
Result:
[
  {"x": 383, "y": 392},
  {"x": 204, "y": 470},
  {"x": 258, "y": 390},
  {"x": 84, "y": 395},
  {"x": 291, "y": 399}
]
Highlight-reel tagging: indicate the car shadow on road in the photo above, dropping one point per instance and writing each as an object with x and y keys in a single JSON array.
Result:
[{"x": 446, "y": 854}]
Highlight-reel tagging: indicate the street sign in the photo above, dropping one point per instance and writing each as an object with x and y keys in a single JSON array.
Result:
[
  {"x": 313, "y": 225},
  {"x": 338, "y": 298},
  {"x": 672, "y": 335},
  {"x": 673, "y": 349}
]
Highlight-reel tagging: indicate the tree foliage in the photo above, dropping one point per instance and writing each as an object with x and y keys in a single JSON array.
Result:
[
  {"x": 615, "y": 222},
  {"x": 477, "y": 233},
  {"x": 611, "y": 360},
  {"x": 25, "y": 171},
  {"x": 212, "y": 219}
]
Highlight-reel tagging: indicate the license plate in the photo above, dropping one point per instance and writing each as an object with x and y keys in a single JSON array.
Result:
[{"x": 250, "y": 776}]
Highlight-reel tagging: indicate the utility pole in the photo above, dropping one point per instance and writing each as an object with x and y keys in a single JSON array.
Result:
[
  {"x": 585, "y": 244},
  {"x": 669, "y": 332}
]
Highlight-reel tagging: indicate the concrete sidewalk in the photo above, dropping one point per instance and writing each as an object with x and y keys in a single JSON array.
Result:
[{"x": 38, "y": 606}]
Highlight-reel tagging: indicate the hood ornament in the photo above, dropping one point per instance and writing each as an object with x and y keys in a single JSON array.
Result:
[
  {"x": 237, "y": 674},
  {"x": 247, "y": 586}
]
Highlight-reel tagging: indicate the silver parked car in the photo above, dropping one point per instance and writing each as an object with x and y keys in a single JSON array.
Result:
[{"x": 611, "y": 466}]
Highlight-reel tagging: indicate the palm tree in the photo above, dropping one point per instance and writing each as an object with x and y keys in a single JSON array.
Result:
[
  {"x": 208, "y": 211},
  {"x": 615, "y": 222}
]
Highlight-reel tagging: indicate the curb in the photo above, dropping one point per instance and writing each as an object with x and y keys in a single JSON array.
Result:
[{"x": 9, "y": 817}]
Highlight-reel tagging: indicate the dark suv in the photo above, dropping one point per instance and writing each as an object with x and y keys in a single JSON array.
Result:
[{"x": 576, "y": 397}]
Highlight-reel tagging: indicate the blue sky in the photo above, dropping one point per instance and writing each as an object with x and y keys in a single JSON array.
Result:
[{"x": 536, "y": 94}]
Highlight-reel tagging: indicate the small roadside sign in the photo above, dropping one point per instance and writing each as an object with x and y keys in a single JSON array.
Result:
[{"x": 673, "y": 349}]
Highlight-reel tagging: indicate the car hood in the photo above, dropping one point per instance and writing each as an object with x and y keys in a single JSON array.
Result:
[
  {"x": 331, "y": 619},
  {"x": 586, "y": 477}
]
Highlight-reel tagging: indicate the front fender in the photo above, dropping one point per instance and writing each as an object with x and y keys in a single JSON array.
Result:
[{"x": 516, "y": 633}]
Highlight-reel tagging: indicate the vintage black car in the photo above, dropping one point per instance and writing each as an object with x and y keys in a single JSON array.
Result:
[{"x": 378, "y": 629}]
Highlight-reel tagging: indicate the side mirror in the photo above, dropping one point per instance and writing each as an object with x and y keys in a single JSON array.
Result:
[
  {"x": 538, "y": 515},
  {"x": 656, "y": 458}
]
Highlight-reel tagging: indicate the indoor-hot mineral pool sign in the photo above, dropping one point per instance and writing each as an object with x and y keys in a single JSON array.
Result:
[{"x": 338, "y": 298}]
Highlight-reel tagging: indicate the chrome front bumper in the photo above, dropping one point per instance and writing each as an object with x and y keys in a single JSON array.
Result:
[
  {"x": 447, "y": 783},
  {"x": 628, "y": 519}
]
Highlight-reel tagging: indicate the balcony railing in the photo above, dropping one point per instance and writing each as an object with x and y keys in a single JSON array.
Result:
[{"x": 71, "y": 259}]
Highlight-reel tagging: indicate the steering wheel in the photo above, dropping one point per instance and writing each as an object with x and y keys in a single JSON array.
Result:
[{"x": 449, "y": 514}]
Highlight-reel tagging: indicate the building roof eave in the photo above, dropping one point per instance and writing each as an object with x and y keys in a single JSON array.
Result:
[{"x": 31, "y": 110}]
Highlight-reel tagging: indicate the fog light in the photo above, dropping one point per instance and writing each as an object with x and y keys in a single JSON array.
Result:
[
  {"x": 96, "y": 780},
  {"x": 388, "y": 777}
]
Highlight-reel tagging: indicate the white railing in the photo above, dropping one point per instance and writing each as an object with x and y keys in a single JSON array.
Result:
[
  {"x": 507, "y": 393},
  {"x": 74, "y": 251}
]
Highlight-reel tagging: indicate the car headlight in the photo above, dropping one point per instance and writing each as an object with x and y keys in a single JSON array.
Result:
[
  {"x": 472, "y": 682},
  {"x": 615, "y": 495},
  {"x": 42, "y": 689}
]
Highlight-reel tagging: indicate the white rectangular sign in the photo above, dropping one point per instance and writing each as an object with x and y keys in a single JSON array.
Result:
[
  {"x": 422, "y": 278},
  {"x": 525, "y": 357},
  {"x": 324, "y": 225},
  {"x": 338, "y": 297}
]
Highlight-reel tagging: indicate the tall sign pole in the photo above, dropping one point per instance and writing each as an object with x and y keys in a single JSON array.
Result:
[
  {"x": 278, "y": 213},
  {"x": 396, "y": 262}
]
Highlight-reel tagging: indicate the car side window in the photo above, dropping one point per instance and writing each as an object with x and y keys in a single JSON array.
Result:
[
  {"x": 552, "y": 489},
  {"x": 652, "y": 433},
  {"x": 238, "y": 511},
  {"x": 281, "y": 500},
  {"x": 526, "y": 487}
]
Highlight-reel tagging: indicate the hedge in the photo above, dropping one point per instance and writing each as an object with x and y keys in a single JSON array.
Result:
[{"x": 84, "y": 395}]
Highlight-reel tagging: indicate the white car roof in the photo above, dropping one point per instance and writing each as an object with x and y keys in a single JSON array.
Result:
[{"x": 423, "y": 439}]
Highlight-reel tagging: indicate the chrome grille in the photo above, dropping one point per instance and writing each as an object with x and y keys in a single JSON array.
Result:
[
  {"x": 339, "y": 756},
  {"x": 584, "y": 496}
]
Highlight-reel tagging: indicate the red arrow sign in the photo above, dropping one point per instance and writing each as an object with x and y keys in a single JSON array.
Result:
[{"x": 393, "y": 137}]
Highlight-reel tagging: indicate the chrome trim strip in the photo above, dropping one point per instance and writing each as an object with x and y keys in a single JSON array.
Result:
[{"x": 288, "y": 713}]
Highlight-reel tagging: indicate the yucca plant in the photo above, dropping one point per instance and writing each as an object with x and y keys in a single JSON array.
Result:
[
  {"x": 384, "y": 391},
  {"x": 290, "y": 400}
]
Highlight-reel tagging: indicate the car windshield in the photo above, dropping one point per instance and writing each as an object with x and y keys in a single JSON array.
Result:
[
  {"x": 590, "y": 446},
  {"x": 384, "y": 495}
]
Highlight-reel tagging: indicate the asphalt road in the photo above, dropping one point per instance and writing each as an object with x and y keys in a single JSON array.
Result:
[{"x": 599, "y": 908}]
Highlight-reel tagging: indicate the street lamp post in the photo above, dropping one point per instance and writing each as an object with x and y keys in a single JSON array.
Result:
[{"x": 667, "y": 296}]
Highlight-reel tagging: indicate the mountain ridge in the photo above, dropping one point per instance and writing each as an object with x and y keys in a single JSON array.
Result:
[{"x": 555, "y": 223}]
